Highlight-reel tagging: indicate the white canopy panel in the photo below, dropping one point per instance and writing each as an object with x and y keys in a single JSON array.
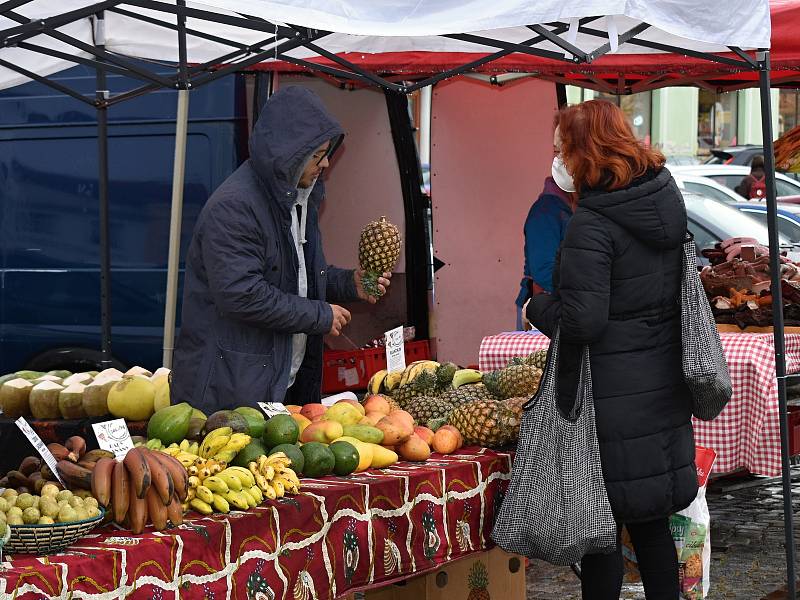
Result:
[{"x": 369, "y": 27}]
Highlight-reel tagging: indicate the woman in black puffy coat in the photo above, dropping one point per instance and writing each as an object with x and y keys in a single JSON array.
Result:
[{"x": 617, "y": 288}]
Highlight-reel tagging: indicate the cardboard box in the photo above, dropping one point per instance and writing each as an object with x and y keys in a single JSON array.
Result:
[{"x": 503, "y": 573}]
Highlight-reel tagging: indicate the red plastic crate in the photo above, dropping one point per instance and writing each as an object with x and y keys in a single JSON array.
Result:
[
  {"x": 794, "y": 430},
  {"x": 344, "y": 370}
]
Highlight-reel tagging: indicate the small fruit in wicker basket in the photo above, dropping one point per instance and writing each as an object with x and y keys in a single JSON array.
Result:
[{"x": 378, "y": 252}]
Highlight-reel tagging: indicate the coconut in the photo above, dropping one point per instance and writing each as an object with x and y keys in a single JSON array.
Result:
[
  {"x": 95, "y": 396},
  {"x": 48, "y": 377},
  {"x": 44, "y": 400},
  {"x": 14, "y": 398},
  {"x": 70, "y": 401},
  {"x": 132, "y": 399},
  {"x": 138, "y": 371},
  {"x": 83, "y": 378}
]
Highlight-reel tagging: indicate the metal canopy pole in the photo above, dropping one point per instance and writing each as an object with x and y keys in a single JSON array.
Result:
[
  {"x": 176, "y": 213},
  {"x": 102, "y": 188},
  {"x": 777, "y": 316}
]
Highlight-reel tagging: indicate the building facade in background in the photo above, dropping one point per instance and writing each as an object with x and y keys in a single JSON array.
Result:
[{"x": 686, "y": 122}]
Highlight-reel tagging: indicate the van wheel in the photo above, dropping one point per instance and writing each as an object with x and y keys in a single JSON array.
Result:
[{"x": 77, "y": 360}]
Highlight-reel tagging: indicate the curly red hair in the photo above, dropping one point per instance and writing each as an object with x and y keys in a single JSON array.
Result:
[{"x": 599, "y": 149}]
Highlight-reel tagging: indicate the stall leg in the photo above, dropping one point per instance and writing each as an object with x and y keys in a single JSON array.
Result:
[
  {"x": 102, "y": 189},
  {"x": 777, "y": 317}
]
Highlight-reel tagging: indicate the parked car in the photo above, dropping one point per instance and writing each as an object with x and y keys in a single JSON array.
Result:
[
  {"x": 788, "y": 217},
  {"x": 711, "y": 221},
  {"x": 788, "y": 190},
  {"x": 740, "y": 155},
  {"x": 705, "y": 186}
]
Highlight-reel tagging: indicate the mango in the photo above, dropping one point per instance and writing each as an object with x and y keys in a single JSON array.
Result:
[
  {"x": 402, "y": 416},
  {"x": 294, "y": 408},
  {"x": 354, "y": 403},
  {"x": 309, "y": 411},
  {"x": 371, "y": 418},
  {"x": 456, "y": 432},
  {"x": 365, "y": 433},
  {"x": 365, "y": 452},
  {"x": 382, "y": 457},
  {"x": 394, "y": 432},
  {"x": 445, "y": 441},
  {"x": 425, "y": 434},
  {"x": 414, "y": 449},
  {"x": 377, "y": 404},
  {"x": 344, "y": 413},
  {"x": 302, "y": 421},
  {"x": 323, "y": 431}
]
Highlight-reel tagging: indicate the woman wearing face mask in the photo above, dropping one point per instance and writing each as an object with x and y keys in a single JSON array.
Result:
[
  {"x": 544, "y": 230},
  {"x": 616, "y": 288}
]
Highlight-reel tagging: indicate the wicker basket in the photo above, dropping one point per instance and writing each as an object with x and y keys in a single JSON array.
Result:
[{"x": 47, "y": 539}]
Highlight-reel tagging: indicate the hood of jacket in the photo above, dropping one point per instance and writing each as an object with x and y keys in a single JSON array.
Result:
[
  {"x": 651, "y": 209},
  {"x": 293, "y": 124}
]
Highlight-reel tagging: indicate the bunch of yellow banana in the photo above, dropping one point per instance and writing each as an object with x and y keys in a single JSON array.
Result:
[
  {"x": 384, "y": 381},
  {"x": 217, "y": 489},
  {"x": 274, "y": 476},
  {"x": 186, "y": 458},
  {"x": 185, "y": 446},
  {"x": 413, "y": 370},
  {"x": 223, "y": 445}
]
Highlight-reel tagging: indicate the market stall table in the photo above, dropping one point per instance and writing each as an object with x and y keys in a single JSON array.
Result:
[
  {"x": 339, "y": 534},
  {"x": 747, "y": 432}
]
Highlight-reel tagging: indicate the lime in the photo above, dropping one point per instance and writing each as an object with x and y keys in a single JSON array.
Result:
[
  {"x": 319, "y": 460},
  {"x": 249, "y": 453},
  {"x": 295, "y": 455},
  {"x": 346, "y": 457},
  {"x": 281, "y": 429}
]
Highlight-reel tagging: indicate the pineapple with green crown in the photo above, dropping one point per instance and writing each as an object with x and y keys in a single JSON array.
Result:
[
  {"x": 444, "y": 376},
  {"x": 422, "y": 385},
  {"x": 378, "y": 252},
  {"x": 478, "y": 581}
]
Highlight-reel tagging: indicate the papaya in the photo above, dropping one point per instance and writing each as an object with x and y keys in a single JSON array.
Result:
[
  {"x": 365, "y": 433},
  {"x": 170, "y": 424}
]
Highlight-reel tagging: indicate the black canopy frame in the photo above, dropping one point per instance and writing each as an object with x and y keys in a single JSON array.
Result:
[{"x": 282, "y": 38}]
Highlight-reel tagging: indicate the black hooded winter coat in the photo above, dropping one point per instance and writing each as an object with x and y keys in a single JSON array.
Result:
[
  {"x": 240, "y": 302},
  {"x": 617, "y": 289}
]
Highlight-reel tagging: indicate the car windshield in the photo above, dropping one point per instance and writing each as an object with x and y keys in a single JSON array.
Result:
[{"x": 727, "y": 219}]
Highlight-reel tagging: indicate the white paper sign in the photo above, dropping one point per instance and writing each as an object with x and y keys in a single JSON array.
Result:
[
  {"x": 39, "y": 445},
  {"x": 331, "y": 400},
  {"x": 273, "y": 408},
  {"x": 395, "y": 350},
  {"x": 114, "y": 437}
]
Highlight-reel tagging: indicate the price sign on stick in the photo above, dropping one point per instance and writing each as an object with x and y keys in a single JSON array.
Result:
[
  {"x": 114, "y": 437},
  {"x": 39, "y": 445},
  {"x": 273, "y": 408},
  {"x": 395, "y": 350}
]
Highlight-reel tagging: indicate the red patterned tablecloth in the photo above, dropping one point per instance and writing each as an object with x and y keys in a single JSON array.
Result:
[
  {"x": 339, "y": 534},
  {"x": 747, "y": 432}
]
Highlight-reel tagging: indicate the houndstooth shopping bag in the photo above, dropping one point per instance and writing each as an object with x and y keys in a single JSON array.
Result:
[
  {"x": 704, "y": 367},
  {"x": 556, "y": 507}
]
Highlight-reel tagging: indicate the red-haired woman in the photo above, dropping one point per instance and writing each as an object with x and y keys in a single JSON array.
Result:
[{"x": 617, "y": 288}]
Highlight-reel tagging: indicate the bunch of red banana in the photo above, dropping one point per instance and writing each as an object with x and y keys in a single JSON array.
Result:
[{"x": 146, "y": 486}]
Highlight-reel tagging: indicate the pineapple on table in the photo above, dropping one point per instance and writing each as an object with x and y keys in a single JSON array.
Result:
[
  {"x": 519, "y": 378},
  {"x": 486, "y": 423},
  {"x": 467, "y": 393},
  {"x": 427, "y": 408},
  {"x": 378, "y": 251}
]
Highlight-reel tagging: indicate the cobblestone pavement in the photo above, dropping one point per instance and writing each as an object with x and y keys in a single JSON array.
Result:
[{"x": 747, "y": 545}]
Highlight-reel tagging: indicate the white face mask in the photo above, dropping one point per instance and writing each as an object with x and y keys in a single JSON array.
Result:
[{"x": 560, "y": 175}]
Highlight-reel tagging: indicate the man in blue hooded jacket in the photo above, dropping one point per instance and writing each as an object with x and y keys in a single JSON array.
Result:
[{"x": 258, "y": 293}]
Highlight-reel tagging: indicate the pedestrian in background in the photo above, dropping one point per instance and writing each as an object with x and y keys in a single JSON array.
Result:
[{"x": 754, "y": 185}]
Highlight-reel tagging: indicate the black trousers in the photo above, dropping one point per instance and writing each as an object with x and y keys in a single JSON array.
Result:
[{"x": 601, "y": 574}]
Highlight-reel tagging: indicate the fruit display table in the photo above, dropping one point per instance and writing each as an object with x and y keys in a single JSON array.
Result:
[
  {"x": 337, "y": 535},
  {"x": 746, "y": 435}
]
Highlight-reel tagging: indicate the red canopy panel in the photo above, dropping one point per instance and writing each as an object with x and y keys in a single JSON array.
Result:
[{"x": 615, "y": 73}]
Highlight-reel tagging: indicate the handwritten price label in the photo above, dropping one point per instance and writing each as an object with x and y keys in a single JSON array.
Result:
[
  {"x": 39, "y": 445},
  {"x": 114, "y": 437},
  {"x": 273, "y": 408}
]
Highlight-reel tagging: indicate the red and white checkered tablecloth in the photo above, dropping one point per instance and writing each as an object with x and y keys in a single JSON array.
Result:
[{"x": 747, "y": 433}]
